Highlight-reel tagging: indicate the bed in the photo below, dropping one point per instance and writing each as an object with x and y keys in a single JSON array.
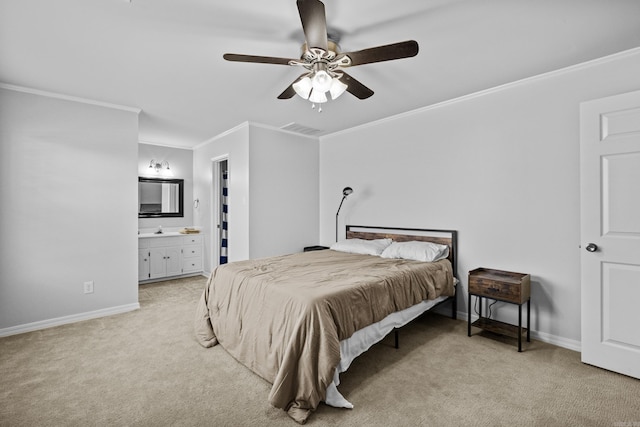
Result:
[{"x": 299, "y": 320}]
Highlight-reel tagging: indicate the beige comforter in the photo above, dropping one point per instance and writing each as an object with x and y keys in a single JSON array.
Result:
[{"x": 283, "y": 317}]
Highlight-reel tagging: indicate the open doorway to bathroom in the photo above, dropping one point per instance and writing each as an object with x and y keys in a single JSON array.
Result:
[{"x": 220, "y": 214}]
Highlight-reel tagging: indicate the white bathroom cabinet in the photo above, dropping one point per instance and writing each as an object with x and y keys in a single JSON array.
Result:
[{"x": 168, "y": 255}]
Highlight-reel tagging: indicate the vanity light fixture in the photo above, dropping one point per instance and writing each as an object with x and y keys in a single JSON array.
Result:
[{"x": 160, "y": 166}]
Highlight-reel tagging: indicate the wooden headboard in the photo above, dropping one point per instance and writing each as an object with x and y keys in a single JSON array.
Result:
[{"x": 442, "y": 237}]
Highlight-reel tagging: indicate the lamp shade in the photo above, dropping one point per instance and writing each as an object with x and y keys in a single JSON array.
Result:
[
  {"x": 317, "y": 97},
  {"x": 303, "y": 87},
  {"x": 337, "y": 88},
  {"x": 321, "y": 81}
]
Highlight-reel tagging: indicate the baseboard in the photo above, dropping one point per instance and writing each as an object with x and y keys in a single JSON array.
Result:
[
  {"x": 50, "y": 323},
  {"x": 540, "y": 336},
  {"x": 165, "y": 279},
  {"x": 556, "y": 340}
]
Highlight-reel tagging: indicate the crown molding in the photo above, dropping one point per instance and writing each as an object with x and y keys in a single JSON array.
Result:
[
  {"x": 222, "y": 135},
  {"x": 69, "y": 98},
  {"x": 162, "y": 144},
  {"x": 495, "y": 89},
  {"x": 249, "y": 124}
]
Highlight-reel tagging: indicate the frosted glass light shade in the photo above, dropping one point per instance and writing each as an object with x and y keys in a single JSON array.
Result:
[
  {"x": 318, "y": 97},
  {"x": 321, "y": 81},
  {"x": 303, "y": 87},
  {"x": 337, "y": 88}
]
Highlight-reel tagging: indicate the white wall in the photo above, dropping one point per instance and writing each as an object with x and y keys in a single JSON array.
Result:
[
  {"x": 68, "y": 200},
  {"x": 235, "y": 145},
  {"x": 273, "y": 191},
  {"x": 181, "y": 165},
  {"x": 284, "y": 192},
  {"x": 501, "y": 167}
]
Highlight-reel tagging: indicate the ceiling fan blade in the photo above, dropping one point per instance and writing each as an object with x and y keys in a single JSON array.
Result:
[
  {"x": 290, "y": 91},
  {"x": 354, "y": 87},
  {"x": 314, "y": 23},
  {"x": 384, "y": 53},
  {"x": 257, "y": 59}
]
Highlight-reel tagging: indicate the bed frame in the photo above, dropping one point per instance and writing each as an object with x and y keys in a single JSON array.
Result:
[{"x": 442, "y": 237}]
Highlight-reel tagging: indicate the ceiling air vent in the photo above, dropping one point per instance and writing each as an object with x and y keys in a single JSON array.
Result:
[{"x": 298, "y": 128}]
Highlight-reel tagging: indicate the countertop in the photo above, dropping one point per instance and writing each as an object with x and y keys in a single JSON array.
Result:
[{"x": 163, "y": 234}]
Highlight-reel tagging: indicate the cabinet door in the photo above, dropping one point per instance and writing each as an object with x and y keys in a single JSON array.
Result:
[
  {"x": 173, "y": 258},
  {"x": 143, "y": 264},
  {"x": 157, "y": 264}
]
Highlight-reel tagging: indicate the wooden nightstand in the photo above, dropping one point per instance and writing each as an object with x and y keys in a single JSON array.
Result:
[{"x": 506, "y": 286}]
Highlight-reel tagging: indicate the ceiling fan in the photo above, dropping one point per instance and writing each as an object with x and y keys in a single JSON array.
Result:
[{"x": 323, "y": 61}]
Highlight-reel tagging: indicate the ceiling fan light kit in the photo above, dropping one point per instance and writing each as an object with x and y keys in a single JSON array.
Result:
[
  {"x": 324, "y": 62},
  {"x": 321, "y": 81},
  {"x": 303, "y": 87},
  {"x": 337, "y": 88},
  {"x": 315, "y": 86}
]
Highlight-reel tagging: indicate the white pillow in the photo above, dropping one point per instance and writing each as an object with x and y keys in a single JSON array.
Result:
[
  {"x": 362, "y": 246},
  {"x": 418, "y": 251}
]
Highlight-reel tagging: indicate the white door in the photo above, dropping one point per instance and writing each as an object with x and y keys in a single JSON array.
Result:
[
  {"x": 173, "y": 260},
  {"x": 143, "y": 264},
  {"x": 157, "y": 263},
  {"x": 610, "y": 232}
]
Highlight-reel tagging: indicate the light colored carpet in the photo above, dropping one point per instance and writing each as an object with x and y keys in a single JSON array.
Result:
[{"x": 145, "y": 368}]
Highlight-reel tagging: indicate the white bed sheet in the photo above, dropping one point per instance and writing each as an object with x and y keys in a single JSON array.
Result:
[{"x": 364, "y": 338}]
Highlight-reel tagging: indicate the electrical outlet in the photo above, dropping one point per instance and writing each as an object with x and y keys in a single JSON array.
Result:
[{"x": 88, "y": 287}]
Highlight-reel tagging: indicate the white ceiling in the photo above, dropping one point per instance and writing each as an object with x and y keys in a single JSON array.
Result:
[{"x": 165, "y": 56}]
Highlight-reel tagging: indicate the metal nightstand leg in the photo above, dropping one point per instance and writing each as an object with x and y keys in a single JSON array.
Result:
[
  {"x": 469, "y": 317},
  {"x": 519, "y": 328},
  {"x": 529, "y": 320}
]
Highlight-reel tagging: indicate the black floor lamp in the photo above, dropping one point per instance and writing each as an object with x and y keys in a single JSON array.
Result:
[{"x": 345, "y": 192}]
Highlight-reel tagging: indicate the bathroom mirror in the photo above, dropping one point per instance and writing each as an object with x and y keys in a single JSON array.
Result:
[{"x": 160, "y": 197}]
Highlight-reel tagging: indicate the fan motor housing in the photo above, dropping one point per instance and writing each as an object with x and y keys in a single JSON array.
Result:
[{"x": 332, "y": 46}]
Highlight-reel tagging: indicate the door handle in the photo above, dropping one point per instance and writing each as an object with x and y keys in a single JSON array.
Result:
[{"x": 591, "y": 247}]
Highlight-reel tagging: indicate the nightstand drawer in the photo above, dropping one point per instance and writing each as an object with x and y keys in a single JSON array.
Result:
[
  {"x": 491, "y": 289},
  {"x": 501, "y": 285}
]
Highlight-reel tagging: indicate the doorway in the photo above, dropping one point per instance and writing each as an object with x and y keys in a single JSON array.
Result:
[{"x": 220, "y": 214}]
